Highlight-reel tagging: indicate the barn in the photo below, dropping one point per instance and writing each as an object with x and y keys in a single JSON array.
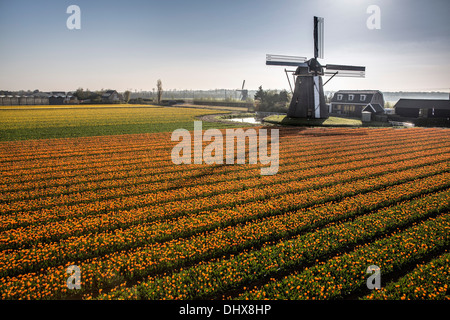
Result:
[
  {"x": 423, "y": 108},
  {"x": 29, "y": 100},
  {"x": 15, "y": 100},
  {"x": 6, "y": 101},
  {"x": 41, "y": 98},
  {"x": 353, "y": 103},
  {"x": 22, "y": 100},
  {"x": 57, "y": 98}
]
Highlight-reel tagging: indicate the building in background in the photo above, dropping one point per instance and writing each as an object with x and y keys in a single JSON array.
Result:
[
  {"x": 57, "y": 98},
  {"x": 423, "y": 108},
  {"x": 112, "y": 96},
  {"x": 352, "y": 103}
]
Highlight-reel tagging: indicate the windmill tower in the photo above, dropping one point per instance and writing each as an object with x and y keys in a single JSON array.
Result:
[
  {"x": 308, "y": 99},
  {"x": 244, "y": 92}
]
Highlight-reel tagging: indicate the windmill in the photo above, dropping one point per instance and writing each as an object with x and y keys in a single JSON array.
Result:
[
  {"x": 308, "y": 100},
  {"x": 244, "y": 92}
]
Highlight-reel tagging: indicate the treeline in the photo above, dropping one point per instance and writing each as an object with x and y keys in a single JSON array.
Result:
[
  {"x": 272, "y": 100},
  {"x": 92, "y": 96},
  {"x": 96, "y": 96}
]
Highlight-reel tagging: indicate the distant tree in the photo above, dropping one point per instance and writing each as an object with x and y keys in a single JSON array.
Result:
[
  {"x": 283, "y": 96},
  {"x": 96, "y": 96},
  {"x": 160, "y": 91},
  {"x": 78, "y": 93},
  {"x": 260, "y": 94},
  {"x": 82, "y": 94},
  {"x": 271, "y": 100},
  {"x": 126, "y": 96}
]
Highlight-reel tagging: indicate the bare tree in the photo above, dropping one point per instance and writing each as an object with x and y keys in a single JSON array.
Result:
[{"x": 160, "y": 90}]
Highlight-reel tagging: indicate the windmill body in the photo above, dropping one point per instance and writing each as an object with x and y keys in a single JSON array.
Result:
[{"x": 308, "y": 100}]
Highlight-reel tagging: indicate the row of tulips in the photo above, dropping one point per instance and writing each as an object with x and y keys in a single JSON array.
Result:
[
  {"x": 29, "y": 150},
  {"x": 345, "y": 274},
  {"x": 97, "y": 158},
  {"x": 72, "y": 165},
  {"x": 135, "y": 218},
  {"x": 429, "y": 281},
  {"x": 115, "y": 267},
  {"x": 236, "y": 273},
  {"x": 13, "y": 178},
  {"x": 101, "y": 155},
  {"x": 108, "y": 189},
  {"x": 269, "y": 228},
  {"x": 85, "y": 146},
  {"x": 10, "y": 220},
  {"x": 249, "y": 202}
]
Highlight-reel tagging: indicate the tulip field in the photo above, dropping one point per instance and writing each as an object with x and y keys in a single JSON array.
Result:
[{"x": 141, "y": 227}]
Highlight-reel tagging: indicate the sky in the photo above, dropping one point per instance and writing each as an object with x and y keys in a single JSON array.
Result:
[{"x": 212, "y": 44}]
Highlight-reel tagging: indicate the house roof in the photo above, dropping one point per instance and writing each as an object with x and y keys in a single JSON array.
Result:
[
  {"x": 58, "y": 94},
  {"x": 359, "y": 91},
  {"x": 423, "y": 103},
  {"x": 375, "y": 107},
  {"x": 378, "y": 107},
  {"x": 108, "y": 93},
  {"x": 357, "y": 96},
  {"x": 42, "y": 95}
]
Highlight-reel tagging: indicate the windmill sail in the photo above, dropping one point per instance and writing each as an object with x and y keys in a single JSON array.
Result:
[
  {"x": 280, "y": 60},
  {"x": 318, "y": 37},
  {"x": 345, "y": 71}
]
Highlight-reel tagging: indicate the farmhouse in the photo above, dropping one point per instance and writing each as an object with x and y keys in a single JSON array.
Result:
[
  {"x": 353, "y": 102},
  {"x": 112, "y": 96},
  {"x": 423, "y": 108},
  {"x": 70, "y": 99}
]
